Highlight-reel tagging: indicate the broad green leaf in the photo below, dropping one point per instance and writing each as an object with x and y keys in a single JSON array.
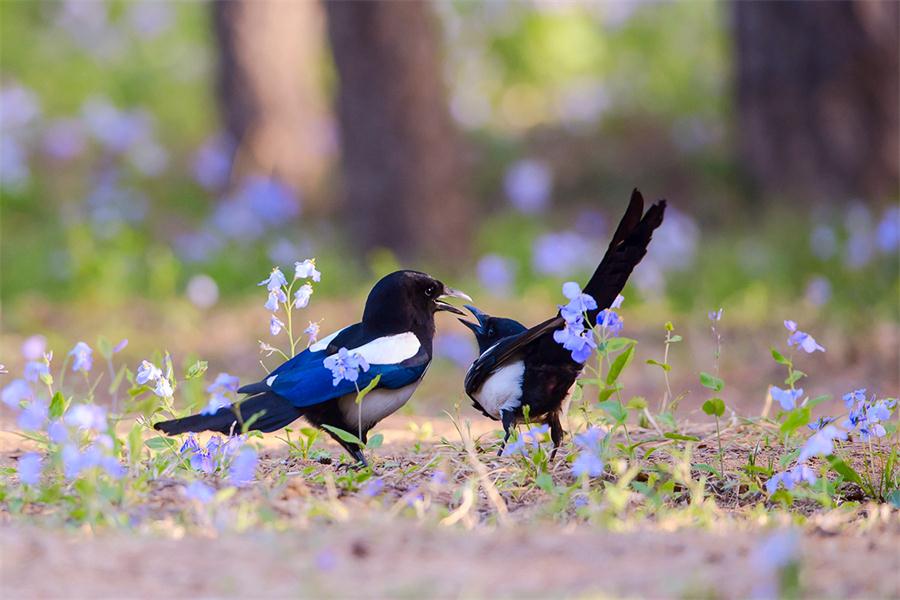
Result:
[
  {"x": 619, "y": 365},
  {"x": 615, "y": 410},
  {"x": 365, "y": 391},
  {"x": 712, "y": 382},
  {"x": 819, "y": 400},
  {"x": 675, "y": 339},
  {"x": 196, "y": 370},
  {"x": 57, "y": 405},
  {"x": 796, "y": 419},
  {"x": 545, "y": 482},
  {"x": 375, "y": 441},
  {"x": 607, "y": 392},
  {"x": 680, "y": 436},
  {"x": 794, "y": 377},
  {"x": 780, "y": 358},
  {"x": 714, "y": 407},
  {"x": 707, "y": 469},
  {"x": 159, "y": 443},
  {"x": 844, "y": 470},
  {"x": 617, "y": 344},
  {"x": 344, "y": 435},
  {"x": 665, "y": 366},
  {"x": 135, "y": 443}
]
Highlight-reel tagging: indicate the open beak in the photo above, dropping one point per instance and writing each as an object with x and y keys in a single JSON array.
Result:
[
  {"x": 451, "y": 293},
  {"x": 476, "y": 328}
]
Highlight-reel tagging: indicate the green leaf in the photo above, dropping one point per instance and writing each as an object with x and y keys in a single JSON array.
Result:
[
  {"x": 818, "y": 400},
  {"x": 794, "y": 377},
  {"x": 344, "y": 435},
  {"x": 675, "y": 339},
  {"x": 619, "y": 365},
  {"x": 617, "y": 344},
  {"x": 57, "y": 405},
  {"x": 159, "y": 443},
  {"x": 894, "y": 498},
  {"x": 714, "y": 407},
  {"x": 196, "y": 370},
  {"x": 672, "y": 435},
  {"x": 607, "y": 392},
  {"x": 104, "y": 347},
  {"x": 796, "y": 419},
  {"x": 375, "y": 441},
  {"x": 712, "y": 382},
  {"x": 544, "y": 481},
  {"x": 615, "y": 410},
  {"x": 844, "y": 470},
  {"x": 135, "y": 443},
  {"x": 780, "y": 358},
  {"x": 637, "y": 403},
  {"x": 365, "y": 391},
  {"x": 665, "y": 366},
  {"x": 706, "y": 468}
]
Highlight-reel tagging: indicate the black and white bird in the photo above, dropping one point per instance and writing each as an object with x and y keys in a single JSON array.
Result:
[
  {"x": 394, "y": 337},
  {"x": 521, "y": 367}
]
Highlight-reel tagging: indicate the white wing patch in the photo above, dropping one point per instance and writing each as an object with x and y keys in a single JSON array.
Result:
[
  {"x": 502, "y": 389},
  {"x": 271, "y": 380},
  {"x": 390, "y": 349},
  {"x": 323, "y": 343}
]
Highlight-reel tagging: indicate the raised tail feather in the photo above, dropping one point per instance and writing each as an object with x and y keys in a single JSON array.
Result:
[
  {"x": 274, "y": 412},
  {"x": 627, "y": 248}
]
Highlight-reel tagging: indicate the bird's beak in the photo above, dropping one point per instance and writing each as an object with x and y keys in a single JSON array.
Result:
[
  {"x": 451, "y": 293},
  {"x": 476, "y": 328}
]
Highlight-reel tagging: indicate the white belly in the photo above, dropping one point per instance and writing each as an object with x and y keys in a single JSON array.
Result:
[
  {"x": 377, "y": 405},
  {"x": 502, "y": 390}
]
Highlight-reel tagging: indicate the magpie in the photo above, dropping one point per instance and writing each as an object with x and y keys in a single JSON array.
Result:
[
  {"x": 519, "y": 367},
  {"x": 395, "y": 337}
]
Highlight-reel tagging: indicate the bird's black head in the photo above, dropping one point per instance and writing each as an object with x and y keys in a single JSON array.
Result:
[
  {"x": 490, "y": 330},
  {"x": 407, "y": 301}
]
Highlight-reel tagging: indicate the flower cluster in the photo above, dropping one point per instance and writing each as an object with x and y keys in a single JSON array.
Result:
[
  {"x": 801, "y": 339},
  {"x": 800, "y": 473},
  {"x": 280, "y": 292},
  {"x": 865, "y": 415},
  {"x": 215, "y": 455},
  {"x": 589, "y": 461},
  {"x": 345, "y": 365},
  {"x": 574, "y": 337},
  {"x": 223, "y": 385},
  {"x": 530, "y": 440},
  {"x": 149, "y": 374},
  {"x": 786, "y": 398}
]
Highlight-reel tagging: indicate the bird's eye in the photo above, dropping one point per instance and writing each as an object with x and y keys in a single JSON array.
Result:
[{"x": 429, "y": 291}]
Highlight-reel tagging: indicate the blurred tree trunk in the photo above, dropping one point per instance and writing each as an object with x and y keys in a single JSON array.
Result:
[
  {"x": 817, "y": 91},
  {"x": 269, "y": 89},
  {"x": 401, "y": 162}
]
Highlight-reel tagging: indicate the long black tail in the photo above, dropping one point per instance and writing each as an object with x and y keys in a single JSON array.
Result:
[
  {"x": 270, "y": 410},
  {"x": 627, "y": 248}
]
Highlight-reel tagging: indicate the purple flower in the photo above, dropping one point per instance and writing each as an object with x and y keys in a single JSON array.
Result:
[
  {"x": 87, "y": 416},
  {"x": 83, "y": 359},
  {"x": 820, "y": 423},
  {"x": 190, "y": 445},
  {"x": 302, "y": 296},
  {"x": 786, "y": 398},
  {"x": 887, "y": 234},
  {"x": 589, "y": 464},
  {"x": 150, "y": 18},
  {"x": 275, "y": 325},
  {"x": 715, "y": 316},
  {"x": 163, "y": 388},
  {"x": 818, "y": 290},
  {"x": 577, "y": 340},
  {"x": 590, "y": 439},
  {"x": 579, "y": 303},
  {"x": 307, "y": 270},
  {"x": 34, "y": 369},
  {"x": 456, "y": 347},
  {"x": 197, "y": 490},
  {"x": 312, "y": 332},
  {"x": 610, "y": 321},
  {"x": 439, "y": 478},
  {"x": 224, "y": 383},
  {"x": 274, "y": 281},
  {"x": 802, "y": 339},
  {"x": 120, "y": 346},
  {"x": 496, "y": 273},
  {"x": 276, "y": 297},
  {"x": 801, "y": 472},
  {"x": 777, "y": 480},
  {"x": 854, "y": 397},
  {"x": 560, "y": 253},
  {"x": 34, "y": 347},
  {"x": 345, "y": 365},
  {"x": 528, "y": 184},
  {"x": 821, "y": 443},
  {"x": 243, "y": 467},
  {"x": 16, "y": 391},
  {"x": 216, "y": 401},
  {"x": 212, "y": 163},
  {"x": 33, "y": 417},
  {"x": 516, "y": 447},
  {"x": 29, "y": 468},
  {"x": 147, "y": 372},
  {"x": 533, "y": 435},
  {"x": 57, "y": 432},
  {"x": 373, "y": 487}
]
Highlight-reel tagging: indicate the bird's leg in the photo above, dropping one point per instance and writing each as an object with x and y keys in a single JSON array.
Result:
[
  {"x": 507, "y": 419},
  {"x": 556, "y": 432},
  {"x": 357, "y": 453}
]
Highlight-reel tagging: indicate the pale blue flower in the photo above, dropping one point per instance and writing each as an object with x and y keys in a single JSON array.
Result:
[
  {"x": 496, "y": 273},
  {"x": 197, "y": 490},
  {"x": 373, "y": 487},
  {"x": 29, "y": 468},
  {"x": 617, "y": 303},
  {"x": 560, "y": 252},
  {"x": 777, "y": 480},
  {"x": 856, "y": 396},
  {"x": 589, "y": 464},
  {"x": 458, "y": 348},
  {"x": 163, "y": 388},
  {"x": 533, "y": 435},
  {"x": 515, "y": 447},
  {"x": 802, "y": 473},
  {"x": 590, "y": 439},
  {"x": 326, "y": 560},
  {"x": 786, "y": 398},
  {"x": 820, "y": 423},
  {"x": 34, "y": 415},
  {"x": 579, "y": 303},
  {"x": 216, "y": 401},
  {"x": 802, "y": 339},
  {"x": 276, "y": 297},
  {"x": 57, "y": 432},
  {"x": 83, "y": 357},
  {"x": 439, "y": 477},
  {"x": 147, "y": 372},
  {"x": 528, "y": 184},
  {"x": 274, "y": 281},
  {"x": 275, "y": 325},
  {"x": 87, "y": 416},
  {"x": 577, "y": 340},
  {"x": 302, "y": 296},
  {"x": 312, "y": 332},
  {"x": 243, "y": 467},
  {"x": 34, "y": 347},
  {"x": 190, "y": 445},
  {"x": 224, "y": 383},
  {"x": 821, "y": 443},
  {"x": 344, "y": 365},
  {"x": 715, "y": 316},
  {"x": 610, "y": 321},
  {"x": 307, "y": 270},
  {"x": 15, "y": 392},
  {"x": 34, "y": 369}
]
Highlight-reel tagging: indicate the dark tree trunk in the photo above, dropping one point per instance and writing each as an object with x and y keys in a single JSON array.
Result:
[
  {"x": 269, "y": 90},
  {"x": 401, "y": 162},
  {"x": 817, "y": 90}
]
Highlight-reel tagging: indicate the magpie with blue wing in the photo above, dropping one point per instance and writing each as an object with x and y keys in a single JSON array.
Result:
[
  {"x": 520, "y": 367},
  {"x": 394, "y": 337}
]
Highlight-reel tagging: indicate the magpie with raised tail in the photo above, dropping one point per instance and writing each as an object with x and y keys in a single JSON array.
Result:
[
  {"x": 520, "y": 367},
  {"x": 394, "y": 338}
]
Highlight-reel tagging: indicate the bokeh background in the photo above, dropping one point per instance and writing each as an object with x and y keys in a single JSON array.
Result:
[{"x": 158, "y": 158}]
